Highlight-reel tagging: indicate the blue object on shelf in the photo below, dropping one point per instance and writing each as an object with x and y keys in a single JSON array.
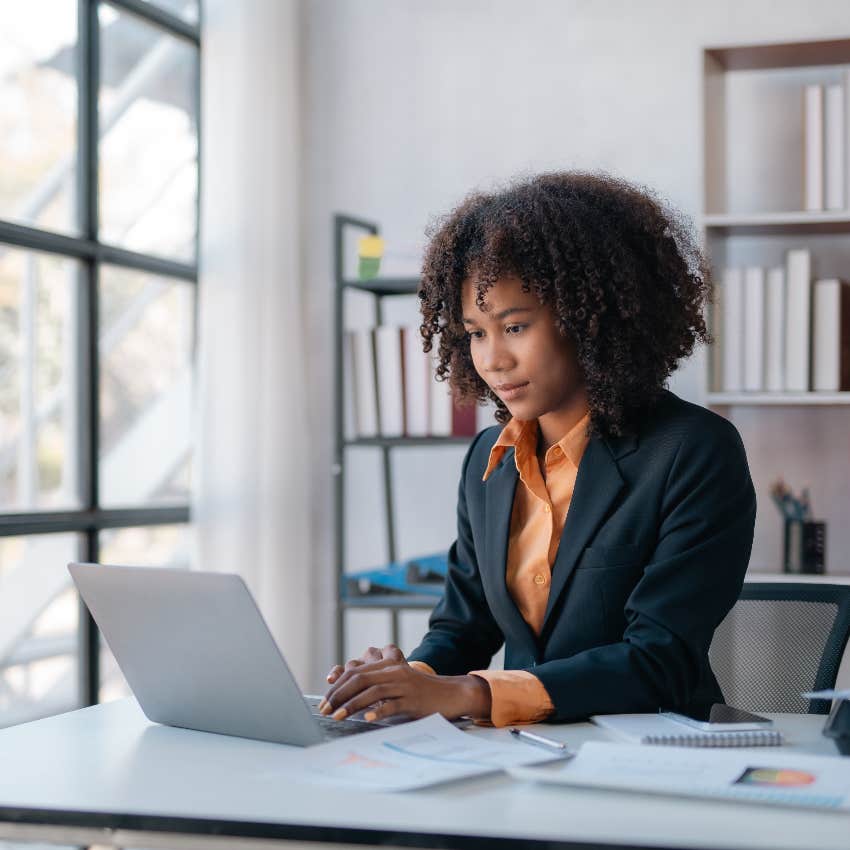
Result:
[{"x": 423, "y": 576}]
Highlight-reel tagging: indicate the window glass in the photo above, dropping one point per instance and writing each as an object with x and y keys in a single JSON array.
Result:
[
  {"x": 39, "y": 384},
  {"x": 38, "y": 112},
  {"x": 39, "y": 627},
  {"x": 145, "y": 387},
  {"x": 149, "y": 137}
]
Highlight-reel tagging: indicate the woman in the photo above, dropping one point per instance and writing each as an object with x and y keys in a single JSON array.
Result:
[{"x": 605, "y": 526}]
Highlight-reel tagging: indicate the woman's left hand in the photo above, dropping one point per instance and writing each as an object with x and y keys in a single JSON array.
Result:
[{"x": 391, "y": 687}]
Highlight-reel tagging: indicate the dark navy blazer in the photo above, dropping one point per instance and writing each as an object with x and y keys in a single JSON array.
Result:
[{"x": 652, "y": 557}]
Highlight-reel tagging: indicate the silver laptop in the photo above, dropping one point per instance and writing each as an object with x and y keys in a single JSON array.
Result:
[{"x": 197, "y": 653}]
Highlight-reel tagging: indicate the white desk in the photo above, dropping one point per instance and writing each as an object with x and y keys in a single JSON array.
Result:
[{"x": 106, "y": 775}]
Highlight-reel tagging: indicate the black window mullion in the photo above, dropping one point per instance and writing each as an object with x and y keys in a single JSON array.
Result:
[{"x": 87, "y": 327}]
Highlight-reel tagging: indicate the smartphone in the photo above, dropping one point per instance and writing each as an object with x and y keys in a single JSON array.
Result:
[{"x": 722, "y": 718}]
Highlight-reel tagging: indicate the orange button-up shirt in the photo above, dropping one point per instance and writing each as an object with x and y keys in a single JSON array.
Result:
[{"x": 537, "y": 522}]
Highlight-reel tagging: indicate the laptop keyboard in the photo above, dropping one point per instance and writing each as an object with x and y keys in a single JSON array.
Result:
[{"x": 340, "y": 728}]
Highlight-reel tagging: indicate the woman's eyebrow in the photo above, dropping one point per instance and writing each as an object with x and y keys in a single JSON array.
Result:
[{"x": 499, "y": 316}]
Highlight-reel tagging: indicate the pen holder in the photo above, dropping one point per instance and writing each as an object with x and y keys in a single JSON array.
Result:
[
  {"x": 805, "y": 546},
  {"x": 838, "y": 726}
]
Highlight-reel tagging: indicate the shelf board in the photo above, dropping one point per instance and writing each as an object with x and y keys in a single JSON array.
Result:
[
  {"x": 792, "y": 54},
  {"x": 393, "y": 442},
  {"x": 391, "y": 601},
  {"x": 803, "y": 578},
  {"x": 767, "y": 223},
  {"x": 385, "y": 285},
  {"x": 775, "y": 399}
]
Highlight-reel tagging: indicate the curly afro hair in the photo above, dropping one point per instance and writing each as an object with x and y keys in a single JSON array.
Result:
[{"x": 622, "y": 272}]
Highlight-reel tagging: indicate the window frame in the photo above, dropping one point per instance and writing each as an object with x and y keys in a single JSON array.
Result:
[{"x": 90, "y": 519}]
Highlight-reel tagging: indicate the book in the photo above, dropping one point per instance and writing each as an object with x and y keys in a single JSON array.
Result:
[
  {"x": 349, "y": 400},
  {"x": 798, "y": 319},
  {"x": 813, "y": 147},
  {"x": 662, "y": 731},
  {"x": 440, "y": 403},
  {"x": 831, "y": 335},
  {"x": 847, "y": 138},
  {"x": 774, "y": 333},
  {"x": 389, "y": 373},
  {"x": 833, "y": 141},
  {"x": 464, "y": 421},
  {"x": 416, "y": 374},
  {"x": 733, "y": 329},
  {"x": 365, "y": 385},
  {"x": 753, "y": 348}
]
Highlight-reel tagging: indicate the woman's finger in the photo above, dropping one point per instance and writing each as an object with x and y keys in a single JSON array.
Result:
[
  {"x": 366, "y": 698},
  {"x": 371, "y": 655},
  {"x": 392, "y": 652},
  {"x": 335, "y": 672},
  {"x": 351, "y": 668},
  {"x": 385, "y": 708},
  {"x": 352, "y": 683}
]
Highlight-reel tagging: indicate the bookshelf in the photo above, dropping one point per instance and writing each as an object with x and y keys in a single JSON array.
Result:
[
  {"x": 752, "y": 215},
  {"x": 344, "y": 226}
]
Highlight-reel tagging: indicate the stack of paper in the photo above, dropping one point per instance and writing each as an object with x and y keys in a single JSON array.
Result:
[
  {"x": 413, "y": 755},
  {"x": 780, "y": 778}
]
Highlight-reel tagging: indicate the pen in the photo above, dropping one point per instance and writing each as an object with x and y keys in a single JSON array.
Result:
[{"x": 540, "y": 740}]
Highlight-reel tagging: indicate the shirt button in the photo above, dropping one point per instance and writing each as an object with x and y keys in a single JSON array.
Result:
[
  {"x": 539, "y": 579},
  {"x": 548, "y": 508}
]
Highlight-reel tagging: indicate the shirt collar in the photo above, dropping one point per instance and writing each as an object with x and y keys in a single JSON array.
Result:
[{"x": 522, "y": 437}]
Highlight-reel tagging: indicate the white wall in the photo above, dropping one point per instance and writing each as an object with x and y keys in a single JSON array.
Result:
[{"x": 409, "y": 105}]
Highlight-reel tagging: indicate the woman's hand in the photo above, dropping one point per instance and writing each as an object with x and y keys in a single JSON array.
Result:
[
  {"x": 371, "y": 655},
  {"x": 388, "y": 685}
]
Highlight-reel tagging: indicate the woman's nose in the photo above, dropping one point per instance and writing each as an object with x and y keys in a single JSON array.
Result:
[{"x": 497, "y": 356}]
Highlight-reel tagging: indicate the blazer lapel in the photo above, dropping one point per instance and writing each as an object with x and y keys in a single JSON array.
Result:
[
  {"x": 499, "y": 490},
  {"x": 598, "y": 484}
]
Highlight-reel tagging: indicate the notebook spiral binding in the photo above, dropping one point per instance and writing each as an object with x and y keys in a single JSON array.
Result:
[{"x": 758, "y": 738}]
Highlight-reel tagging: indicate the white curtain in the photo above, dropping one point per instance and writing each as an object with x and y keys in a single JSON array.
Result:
[{"x": 252, "y": 478}]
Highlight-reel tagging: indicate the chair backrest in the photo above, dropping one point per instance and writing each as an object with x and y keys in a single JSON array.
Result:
[{"x": 780, "y": 639}]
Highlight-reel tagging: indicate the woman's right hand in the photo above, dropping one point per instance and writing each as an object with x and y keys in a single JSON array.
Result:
[{"x": 389, "y": 653}]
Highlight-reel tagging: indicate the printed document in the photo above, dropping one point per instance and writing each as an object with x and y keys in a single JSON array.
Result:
[
  {"x": 414, "y": 755},
  {"x": 748, "y": 775}
]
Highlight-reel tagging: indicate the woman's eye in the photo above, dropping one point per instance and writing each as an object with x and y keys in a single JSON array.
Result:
[
  {"x": 513, "y": 329},
  {"x": 474, "y": 334}
]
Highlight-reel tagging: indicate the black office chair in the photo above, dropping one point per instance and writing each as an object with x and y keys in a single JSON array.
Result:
[{"x": 779, "y": 640}]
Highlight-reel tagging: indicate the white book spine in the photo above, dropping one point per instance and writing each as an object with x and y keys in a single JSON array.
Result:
[
  {"x": 733, "y": 329},
  {"x": 774, "y": 339},
  {"x": 798, "y": 320},
  {"x": 813, "y": 125},
  {"x": 390, "y": 397},
  {"x": 440, "y": 403},
  {"x": 416, "y": 377},
  {"x": 834, "y": 154},
  {"x": 826, "y": 335},
  {"x": 364, "y": 383},
  {"x": 847, "y": 138},
  {"x": 754, "y": 329}
]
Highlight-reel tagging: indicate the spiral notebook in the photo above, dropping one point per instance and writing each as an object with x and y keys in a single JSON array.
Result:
[{"x": 658, "y": 730}]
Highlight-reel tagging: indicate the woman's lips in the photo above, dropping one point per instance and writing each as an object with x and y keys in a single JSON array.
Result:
[{"x": 508, "y": 392}]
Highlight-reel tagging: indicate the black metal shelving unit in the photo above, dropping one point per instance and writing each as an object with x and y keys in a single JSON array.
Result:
[{"x": 379, "y": 287}]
